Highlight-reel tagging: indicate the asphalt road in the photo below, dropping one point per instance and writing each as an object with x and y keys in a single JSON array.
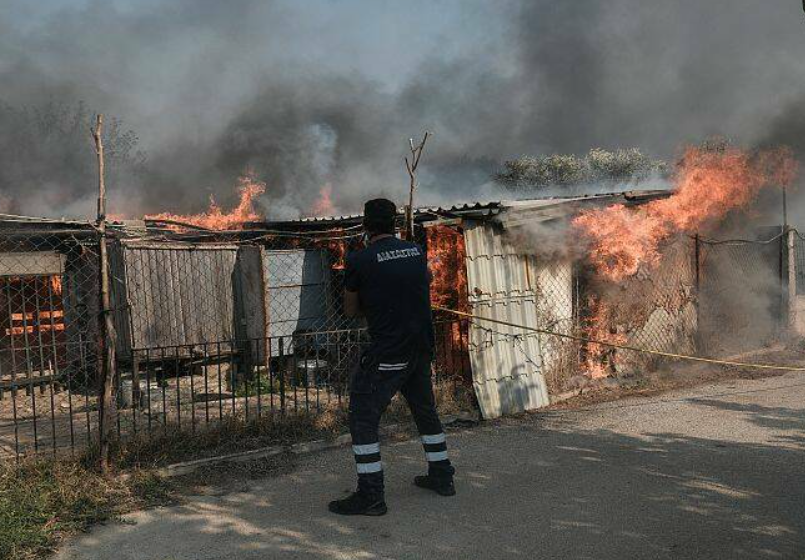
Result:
[{"x": 714, "y": 472}]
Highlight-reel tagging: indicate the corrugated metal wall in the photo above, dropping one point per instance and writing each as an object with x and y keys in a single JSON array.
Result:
[{"x": 507, "y": 285}]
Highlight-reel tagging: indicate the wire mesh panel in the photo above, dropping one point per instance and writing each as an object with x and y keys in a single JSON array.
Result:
[
  {"x": 655, "y": 309},
  {"x": 799, "y": 253},
  {"x": 555, "y": 281},
  {"x": 48, "y": 338},
  {"x": 298, "y": 283},
  {"x": 740, "y": 295}
]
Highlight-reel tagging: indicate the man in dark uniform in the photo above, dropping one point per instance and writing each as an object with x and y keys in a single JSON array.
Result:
[{"x": 388, "y": 282}]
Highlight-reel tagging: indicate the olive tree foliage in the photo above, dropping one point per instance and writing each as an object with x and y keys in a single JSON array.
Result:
[
  {"x": 596, "y": 167},
  {"x": 47, "y": 156},
  {"x": 716, "y": 144}
]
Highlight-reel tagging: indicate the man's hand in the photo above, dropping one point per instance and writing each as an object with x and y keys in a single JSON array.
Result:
[{"x": 352, "y": 304}]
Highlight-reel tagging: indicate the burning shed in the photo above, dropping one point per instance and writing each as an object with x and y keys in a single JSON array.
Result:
[
  {"x": 524, "y": 270},
  {"x": 513, "y": 262}
]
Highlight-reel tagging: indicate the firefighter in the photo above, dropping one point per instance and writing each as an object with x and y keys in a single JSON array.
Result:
[{"x": 389, "y": 284}]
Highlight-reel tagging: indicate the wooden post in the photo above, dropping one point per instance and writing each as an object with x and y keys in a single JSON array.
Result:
[
  {"x": 411, "y": 166},
  {"x": 107, "y": 327}
]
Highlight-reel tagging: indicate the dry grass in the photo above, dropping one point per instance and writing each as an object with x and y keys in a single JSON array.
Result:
[
  {"x": 236, "y": 433},
  {"x": 43, "y": 501},
  {"x": 233, "y": 434}
]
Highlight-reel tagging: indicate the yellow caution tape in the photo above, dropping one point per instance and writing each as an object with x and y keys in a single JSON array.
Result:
[{"x": 620, "y": 346}]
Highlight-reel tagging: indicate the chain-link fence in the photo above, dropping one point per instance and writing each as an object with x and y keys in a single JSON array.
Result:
[
  {"x": 48, "y": 336},
  {"x": 213, "y": 328},
  {"x": 702, "y": 297},
  {"x": 742, "y": 294},
  {"x": 208, "y": 330}
]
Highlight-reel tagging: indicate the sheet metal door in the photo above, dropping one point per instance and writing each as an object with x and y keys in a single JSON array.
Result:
[
  {"x": 506, "y": 362},
  {"x": 297, "y": 282}
]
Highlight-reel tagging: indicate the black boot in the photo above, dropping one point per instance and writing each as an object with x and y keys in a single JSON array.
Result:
[
  {"x": 442, "y": 486},
  {"x": 359, "y": 503}
]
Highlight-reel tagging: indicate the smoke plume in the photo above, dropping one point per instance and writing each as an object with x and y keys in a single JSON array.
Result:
[{"x": 305, "y": 94}]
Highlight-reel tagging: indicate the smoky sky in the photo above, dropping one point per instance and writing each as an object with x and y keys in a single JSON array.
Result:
[{"x": 305, "y": 94}]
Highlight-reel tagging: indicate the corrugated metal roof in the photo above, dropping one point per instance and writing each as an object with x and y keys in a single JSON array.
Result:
[
  {"x": 13, "y": 218},
  {"x": 492, "y": 207},
  {"x": 463, "y": 209},
  {"x": 423, "y": 210}
]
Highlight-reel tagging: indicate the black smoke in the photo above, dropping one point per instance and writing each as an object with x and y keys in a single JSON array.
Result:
[{"x": 305, "y": 94}]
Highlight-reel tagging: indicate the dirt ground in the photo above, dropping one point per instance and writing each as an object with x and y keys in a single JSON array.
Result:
[{"x": 680, "y": 374}]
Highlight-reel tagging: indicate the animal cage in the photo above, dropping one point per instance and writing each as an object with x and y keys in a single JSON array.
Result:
[{"x": 31, "y": 318}]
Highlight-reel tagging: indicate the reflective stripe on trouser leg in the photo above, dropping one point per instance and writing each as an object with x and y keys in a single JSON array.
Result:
[
  {"x": 367, "y": 458},
  {"x": 435, "y": 448}
]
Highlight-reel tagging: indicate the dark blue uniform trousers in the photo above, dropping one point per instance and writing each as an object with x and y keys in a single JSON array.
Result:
[{"x": 374, "y": 384}]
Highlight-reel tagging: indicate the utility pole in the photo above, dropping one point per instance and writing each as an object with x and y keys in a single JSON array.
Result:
[
  {"x": 106, "y": 325},
  {"x": 411, "y": 166}
]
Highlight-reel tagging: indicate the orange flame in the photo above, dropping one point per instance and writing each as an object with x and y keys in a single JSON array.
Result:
[
  {"x": 446, "y": 256},
  {"x": 55, "y": 285},
  {"x": 338, "y": 249},
  {"x": 215, "y": 218},
  {"x": 600, "y": 360},
  {"x": 324, "y": 204},
  {"x": 708, "y": 186},
  {"x": 448, "y": 288}
]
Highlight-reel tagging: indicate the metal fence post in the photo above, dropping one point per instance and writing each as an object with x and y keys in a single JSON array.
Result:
[
  {"x": 697, "y": 251},
  {"x": 792, "y": 281},
  {"x": 697, "y": 288}
]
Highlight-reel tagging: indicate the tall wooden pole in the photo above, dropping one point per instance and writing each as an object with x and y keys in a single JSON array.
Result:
[
  {"x": 789, "y": 278},
  {"x": 411, "y": 166},
  {"x": 107, "y": 327}
]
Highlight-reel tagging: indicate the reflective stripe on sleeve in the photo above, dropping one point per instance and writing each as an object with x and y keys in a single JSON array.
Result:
[{"x": 392, "y": 367}]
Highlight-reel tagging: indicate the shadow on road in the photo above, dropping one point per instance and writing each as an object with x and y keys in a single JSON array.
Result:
[
  {"x": 525, "y": 490},
  {"x": 779, "y": 419}
]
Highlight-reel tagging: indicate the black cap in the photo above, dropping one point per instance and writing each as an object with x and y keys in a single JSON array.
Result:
[{"x": 379, "y": 215}]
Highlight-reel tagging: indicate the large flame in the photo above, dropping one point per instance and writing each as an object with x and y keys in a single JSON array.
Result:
[
  {"x": 338, "y": 250},
  {"x": 215, "y": 218},
  {"x": 446, "y": 262},
  {"x": 708, "y": 186}
]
